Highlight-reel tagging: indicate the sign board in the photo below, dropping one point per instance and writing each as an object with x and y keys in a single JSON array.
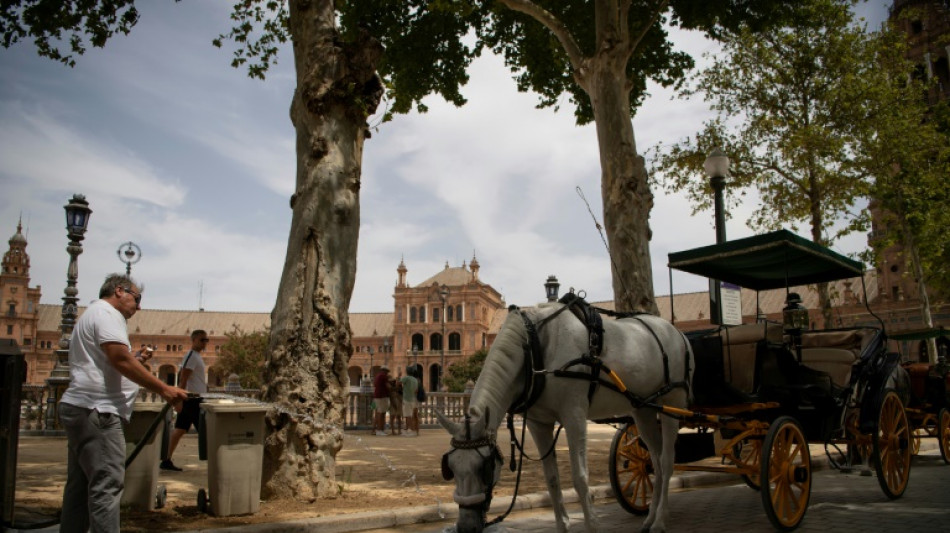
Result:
[{"x": 731, "y": 297}]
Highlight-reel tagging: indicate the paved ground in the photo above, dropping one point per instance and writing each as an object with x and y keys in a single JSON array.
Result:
[{"x": 839, "y": 502}]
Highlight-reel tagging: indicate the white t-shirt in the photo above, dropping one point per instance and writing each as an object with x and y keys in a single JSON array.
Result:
[
  {"x": 95, "y": 383},
  {"x": 197, "y": 382}
]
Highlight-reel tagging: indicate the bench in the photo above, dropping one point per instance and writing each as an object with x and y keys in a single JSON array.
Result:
[
  {"x": 740, "y": 347},
  {"x": 835, "y": 352}
]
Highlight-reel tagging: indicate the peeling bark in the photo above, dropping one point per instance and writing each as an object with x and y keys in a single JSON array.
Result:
[{"x": 305, "y": 372}]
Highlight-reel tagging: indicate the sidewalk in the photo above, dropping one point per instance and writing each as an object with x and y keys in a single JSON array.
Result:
[{"x": 386, "y": 482}]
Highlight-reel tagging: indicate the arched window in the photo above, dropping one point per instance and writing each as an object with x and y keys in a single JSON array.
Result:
[
  {"x": 435, "y": 342},
  {"x": 412, "y": 314},
  {"x": 455, "y": 341},
  {"x": 422, "y": 314},
  {"x": 449, "y": 312},
  {"x": 437, "y": 314},
  {"x": 417, "y": 342},
  {"x": 458, "y": 312}
]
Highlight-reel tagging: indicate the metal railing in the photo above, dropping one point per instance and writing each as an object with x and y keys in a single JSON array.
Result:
[{"x": 358, "y": 413}]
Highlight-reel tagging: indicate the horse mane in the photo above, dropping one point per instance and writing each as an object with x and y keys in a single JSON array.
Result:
[{"x": 502, "y": 367}]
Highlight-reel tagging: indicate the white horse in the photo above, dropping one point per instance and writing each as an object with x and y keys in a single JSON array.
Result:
[{"x": 633, "y": 348}]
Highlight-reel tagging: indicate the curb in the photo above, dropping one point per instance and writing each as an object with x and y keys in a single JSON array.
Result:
[{"x": 350, "y": 523}]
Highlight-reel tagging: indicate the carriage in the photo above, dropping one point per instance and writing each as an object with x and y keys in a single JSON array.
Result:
[
  {"x": 763, "y": 392},
  {"x": 929, "y": 407}
]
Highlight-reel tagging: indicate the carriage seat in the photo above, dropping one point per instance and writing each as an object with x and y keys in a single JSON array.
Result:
[
  {"x": 835, "y": 352},
  {"x": 740, "y": 346}
]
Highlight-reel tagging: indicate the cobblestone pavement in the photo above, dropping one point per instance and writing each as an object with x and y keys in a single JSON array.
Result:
[{"x": 839, "y": 503}]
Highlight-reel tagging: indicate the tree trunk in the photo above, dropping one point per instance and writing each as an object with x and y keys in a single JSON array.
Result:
[
  {"x": 624, "y": 188},
  {"x": 305, "y": 372}
]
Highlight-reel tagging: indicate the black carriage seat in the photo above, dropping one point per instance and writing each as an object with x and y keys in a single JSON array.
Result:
[
  {"x": 835, "y": 352},
  {"x": 742, "y": 346},
  {"x": 728, "y": 362}
]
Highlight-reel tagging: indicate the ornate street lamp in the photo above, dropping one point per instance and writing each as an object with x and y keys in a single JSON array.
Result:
[
  {"x": 717, "y": 168},
  {"x": 131, "y": 255},
  {"x": 415, "y": 357},
  {"x": 372, "y": 374},
  {"x": 386, "y": 351},
  {"x": 77, "y": 220},
  {"x": 444, "y": 293},
  {"x": 551, "y": 287}
]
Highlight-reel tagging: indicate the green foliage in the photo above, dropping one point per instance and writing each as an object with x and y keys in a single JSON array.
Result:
[
  {"x": 54, "y": 23},
  {"x": 260, "y": 27},
  {"x": 243, "y": 354},
  {"x": 798, "y": 112},
  {"x": 467, "y": 369}
]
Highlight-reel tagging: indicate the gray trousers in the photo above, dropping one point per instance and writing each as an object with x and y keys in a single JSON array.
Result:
[{"x": 95, "y": 473}]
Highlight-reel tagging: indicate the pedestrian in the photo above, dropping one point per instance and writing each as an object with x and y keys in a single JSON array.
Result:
[
  {"x": 395, "y": 404},
  {"x": 104, "y": 382},
  {"x": 192, "y": 377},
  {"x": 381, "y": 398},
  {"x": 410, "y": 406}
]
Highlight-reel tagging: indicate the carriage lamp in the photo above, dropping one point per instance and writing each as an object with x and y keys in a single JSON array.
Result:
[
  {"x": 795, "y": 320},
  {"x": 794, "y": 315},
  {"x": 551, "y": 287}
]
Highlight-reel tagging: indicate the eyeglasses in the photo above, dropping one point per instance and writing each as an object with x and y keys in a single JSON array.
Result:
[
  {"x": 136, "y": 295},
  {"x": 203, "y": 340}
]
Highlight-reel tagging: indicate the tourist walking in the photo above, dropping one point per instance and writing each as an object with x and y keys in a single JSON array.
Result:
[
  {"x": 395, "y": 405},
  {"x": 192, "y": 377},
  {"x": 104, "y": 381},
  {"x": 410, "y": 406},
  {"x": 381, "y": 399}
]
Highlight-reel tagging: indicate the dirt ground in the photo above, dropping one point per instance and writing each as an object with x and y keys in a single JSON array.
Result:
[{"x": 373, "y": 473}]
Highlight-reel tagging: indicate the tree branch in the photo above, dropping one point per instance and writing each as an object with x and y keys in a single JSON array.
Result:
[
  {"x": 552, "y": 23},
  {"x": 656, "y": 15}
]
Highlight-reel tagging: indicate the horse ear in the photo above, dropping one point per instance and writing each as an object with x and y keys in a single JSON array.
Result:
[{"x": 452, "y": 427}]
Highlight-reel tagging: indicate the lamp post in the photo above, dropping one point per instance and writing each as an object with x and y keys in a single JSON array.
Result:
[
  {"x": 444, "y": 293},
  {"x": 551, "y": 287},
  {"x": 717, "y": 168},
  {"x": 77, "y": 220},
  {"x": 386, "y": 351},
  {"x": 132, "y": 254},
  {"x": 415, "y": 358},
  {"x": 371, "y": 374}
]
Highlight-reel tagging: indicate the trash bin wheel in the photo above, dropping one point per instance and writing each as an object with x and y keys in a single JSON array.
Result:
[
  {"x": 202, "y": 500},
  {"x": 161, "y": 496}
]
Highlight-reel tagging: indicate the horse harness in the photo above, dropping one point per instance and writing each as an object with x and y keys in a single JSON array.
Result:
[
  {"x": 590, "y": 317},
  {"x": 487, "y": 469}
]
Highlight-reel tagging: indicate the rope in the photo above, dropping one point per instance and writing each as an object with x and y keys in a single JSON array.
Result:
[{"x": 600, "y": 230}]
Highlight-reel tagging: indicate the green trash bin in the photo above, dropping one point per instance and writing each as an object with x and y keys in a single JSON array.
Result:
[{"x": 235, "y": 441}]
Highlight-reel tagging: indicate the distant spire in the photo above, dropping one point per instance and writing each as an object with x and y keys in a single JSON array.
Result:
[
  {"x": 401, "y": 271},
  {"x": 446, "y": 265},
  {"x": 474, "y": 266}
]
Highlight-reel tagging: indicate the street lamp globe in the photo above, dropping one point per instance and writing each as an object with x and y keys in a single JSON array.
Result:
[{"x": 716, "y": 164}]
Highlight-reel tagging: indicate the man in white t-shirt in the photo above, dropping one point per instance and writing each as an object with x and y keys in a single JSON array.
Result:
[
  {"x": 105, "y": 380},
  {"x": 193, "y": 378}
]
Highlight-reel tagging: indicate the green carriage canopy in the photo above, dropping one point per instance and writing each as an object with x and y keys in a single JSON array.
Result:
[{"x": 770, "y": 261}]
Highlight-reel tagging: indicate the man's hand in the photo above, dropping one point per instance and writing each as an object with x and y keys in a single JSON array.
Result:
[{"x": 175, "y": 396}]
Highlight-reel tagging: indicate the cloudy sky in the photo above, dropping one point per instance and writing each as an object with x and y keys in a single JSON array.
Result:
[{"x": 194, "y": 162}]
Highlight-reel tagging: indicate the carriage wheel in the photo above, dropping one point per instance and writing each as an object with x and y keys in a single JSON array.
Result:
[
  {"x": 943, "y": 433},
  {"x": 786, "y": 474},
  {"x": 915, "y": 438},
  {"x": 749, "y": 453},
  {"x": 892, "y": 445},
  {"x": 631, "y": 471}
]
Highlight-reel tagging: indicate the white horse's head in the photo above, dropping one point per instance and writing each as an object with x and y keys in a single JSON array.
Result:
[{"x": 475, "y": 463}]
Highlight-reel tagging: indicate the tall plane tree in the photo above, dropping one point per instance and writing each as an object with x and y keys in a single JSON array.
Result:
[
  {"x": 338, "y": 88},
  {"x": 598, "y": 54}
]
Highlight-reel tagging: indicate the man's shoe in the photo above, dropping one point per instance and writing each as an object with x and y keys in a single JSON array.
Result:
[{"x": 167, "y": 464}]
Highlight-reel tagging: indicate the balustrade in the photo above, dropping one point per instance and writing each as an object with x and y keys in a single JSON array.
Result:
[{"x": 357, "y": 414}]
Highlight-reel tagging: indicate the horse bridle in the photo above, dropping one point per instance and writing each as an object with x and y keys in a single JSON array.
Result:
[{"x": 487, "y": 469}]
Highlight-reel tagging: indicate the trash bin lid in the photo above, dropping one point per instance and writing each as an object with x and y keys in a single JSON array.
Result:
[
  {"x": 149, "y": 407},
  {"x": 235, "y": 407}
]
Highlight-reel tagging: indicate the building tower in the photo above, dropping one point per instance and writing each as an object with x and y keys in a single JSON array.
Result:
[{"x": 20, "y": 311}]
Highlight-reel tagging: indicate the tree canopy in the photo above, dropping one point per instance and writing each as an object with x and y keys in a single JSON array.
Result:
[
  {"x": 243, "y": 354},
  {"x": 814, "y": 116}
]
